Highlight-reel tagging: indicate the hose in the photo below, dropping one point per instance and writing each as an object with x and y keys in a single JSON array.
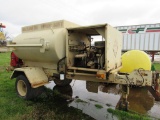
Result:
[{"x": 59, "y": 62}]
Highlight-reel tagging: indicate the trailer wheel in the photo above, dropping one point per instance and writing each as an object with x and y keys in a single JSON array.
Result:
[
  {"x": 24, "y": 89},
  {"x": 64, "y": 82}
]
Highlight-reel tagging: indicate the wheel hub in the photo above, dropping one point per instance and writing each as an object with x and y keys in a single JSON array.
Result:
[{"x": 21, "y": 88}]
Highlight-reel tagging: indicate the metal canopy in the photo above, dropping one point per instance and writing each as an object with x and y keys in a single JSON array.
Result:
[{"x": 89, "y": 30}]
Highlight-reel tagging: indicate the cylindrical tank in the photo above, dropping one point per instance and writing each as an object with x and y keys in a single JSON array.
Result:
[
  {"x": 135, "y": 59},
  {"x": 27, "y": 45}
]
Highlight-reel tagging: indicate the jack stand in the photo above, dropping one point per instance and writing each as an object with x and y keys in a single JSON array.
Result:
[
  {"x": 155, "y": 90},
  {"x": 157, "y": 85},
  {"x": 123, "y": 103}
]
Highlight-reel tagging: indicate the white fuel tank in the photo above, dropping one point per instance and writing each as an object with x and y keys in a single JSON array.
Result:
[
  {"x": 44, "y": 42},
  {"x": 41, "y": 46}
]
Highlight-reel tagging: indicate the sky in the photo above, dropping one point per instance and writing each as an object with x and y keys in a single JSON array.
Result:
[{"x": 17, "y": 13}]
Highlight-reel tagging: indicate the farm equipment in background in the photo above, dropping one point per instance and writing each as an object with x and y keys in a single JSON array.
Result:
[{"x": 2, "y": 36}]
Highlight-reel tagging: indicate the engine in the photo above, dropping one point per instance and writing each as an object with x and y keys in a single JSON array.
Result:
[{"x": 89, "y": 56}]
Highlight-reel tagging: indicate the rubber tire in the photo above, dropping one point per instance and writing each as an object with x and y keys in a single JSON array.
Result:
[
  {"x": 66, "y": 90},
  {"x": 59, "y": 82},
  {"x": 31, "y": 93}
]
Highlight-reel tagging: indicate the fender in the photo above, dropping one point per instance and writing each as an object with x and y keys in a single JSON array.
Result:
[{"x": 35, "y": 75}]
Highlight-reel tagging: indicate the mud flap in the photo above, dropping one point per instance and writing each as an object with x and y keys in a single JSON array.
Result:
[{"x": 35, "y": 75}]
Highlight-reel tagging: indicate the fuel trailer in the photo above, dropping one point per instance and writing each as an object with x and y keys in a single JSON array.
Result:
[{"x": 62, "y": 51}]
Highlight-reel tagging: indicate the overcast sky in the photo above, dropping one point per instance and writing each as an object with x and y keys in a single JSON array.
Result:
[{"x": 17, "y": 13}]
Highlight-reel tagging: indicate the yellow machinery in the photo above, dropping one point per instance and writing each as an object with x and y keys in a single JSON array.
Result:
[{"x": 2, "y": 36}]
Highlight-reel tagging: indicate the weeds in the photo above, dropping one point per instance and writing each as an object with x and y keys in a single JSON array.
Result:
[
  {"x": 4, "y": 59},
  {"x": 98, "y": 106},
  {"x": 79, "y": 100},
  {"x": 122, "y": 115},
  {"x": 156, "y": 66}
]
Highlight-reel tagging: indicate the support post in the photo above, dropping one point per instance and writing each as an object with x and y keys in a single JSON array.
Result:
[
  {"x": 123, "y": 103},
  {"x": 155, "y": 89},
  {"x": 152, "y": 54}
]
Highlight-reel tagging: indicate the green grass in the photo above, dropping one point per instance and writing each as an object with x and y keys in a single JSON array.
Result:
[
  {"x": 79, "y": 100},
  {"x": 48, "y": 106},
  {"x": 10, "y": 104},
  {"x": 4, "y": 59},
  {"x": 98, "y": 106},
  {"x": 156, "y": 66},
  {"x": 122, "y": 115}
]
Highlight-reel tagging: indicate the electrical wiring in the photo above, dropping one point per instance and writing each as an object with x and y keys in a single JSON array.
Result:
[{"x": 141, "y": 75}]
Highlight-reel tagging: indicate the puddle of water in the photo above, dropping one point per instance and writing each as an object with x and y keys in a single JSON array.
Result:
[
  {"x": 90, "y": 109},
  {"x": 107, "y": 96},
  {"x": 86, "y": 101},
  {"x": 140, "y": 100}
]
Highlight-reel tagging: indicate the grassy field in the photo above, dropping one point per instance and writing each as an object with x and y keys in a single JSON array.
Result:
[
  {"x": 156, "y": 66},
  {"x": 48, "y": 106}
]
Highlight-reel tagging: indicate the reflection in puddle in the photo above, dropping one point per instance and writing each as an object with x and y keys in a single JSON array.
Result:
[
  {"x": 140, "y": 100},
  {"x": 107, "y": 96}
]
